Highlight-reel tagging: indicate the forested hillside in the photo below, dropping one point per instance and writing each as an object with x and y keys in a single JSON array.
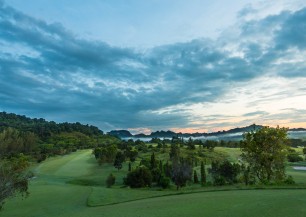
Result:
[{"x": 40, "y": 138}]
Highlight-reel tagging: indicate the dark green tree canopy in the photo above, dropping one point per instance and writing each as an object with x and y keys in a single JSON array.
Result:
[
  {"x": 119, "y": 159},
  {"x": 139, "y": 178}
]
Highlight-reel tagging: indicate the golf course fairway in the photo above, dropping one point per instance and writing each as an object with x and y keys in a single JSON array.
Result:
[{"x": 73, "y": 185}]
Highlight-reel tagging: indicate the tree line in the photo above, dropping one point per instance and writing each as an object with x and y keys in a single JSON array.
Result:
[
  {"x": 264, "y": 154},
  {"x": 24, "y": 140}
]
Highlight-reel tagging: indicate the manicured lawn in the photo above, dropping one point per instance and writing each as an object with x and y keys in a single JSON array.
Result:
[
  {"x": 244, "y": 203},
  {"x": 74, "y": 185}
]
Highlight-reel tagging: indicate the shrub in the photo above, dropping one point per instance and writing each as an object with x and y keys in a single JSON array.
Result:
[
  {"x": 138, "y": 178},
  {"x": 294, "y": 157},
  {"x": 224, "y": 172},
  {"x": 156, "y": 174},
  {"x": 110, "y": 181},
  {"x": 289, "y": 180},
  {"x": 164, "y": 182}
]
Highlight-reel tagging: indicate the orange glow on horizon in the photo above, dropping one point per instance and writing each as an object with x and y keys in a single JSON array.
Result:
[{"x": 216, "y": 129}]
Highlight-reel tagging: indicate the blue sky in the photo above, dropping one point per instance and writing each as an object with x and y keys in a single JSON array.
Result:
[{"x": 150, "y": 65}]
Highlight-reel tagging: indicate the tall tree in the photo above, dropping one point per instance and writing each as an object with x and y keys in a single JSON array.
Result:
[
  {"x": 203, "y": 174},
  {"x": 181, "y": 172},
  {"x": 119, "y": 159},
  {"x": 265, "y": 151},
  {"x": 153, "y": 162},
  {"x": 195, "y": 177},
  {"x": 161, "y": 168},
  {"x": 174, "y": 152}
]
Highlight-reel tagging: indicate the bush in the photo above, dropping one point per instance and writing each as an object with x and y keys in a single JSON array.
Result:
[
  {"x": 110, "y": 181},
  {"x": 139, "y": 178},
  {"x": 294, "y": 157},
  {"x": 156, "y": 174},
  {"x": 289, "y": 180},
  {"x": 164, "y": 182},
  {"x": 224, "y": 172},
  {"x": 219, "y": 181}
]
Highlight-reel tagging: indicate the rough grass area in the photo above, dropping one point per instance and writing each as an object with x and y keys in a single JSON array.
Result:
[
  {"x": 232, "y": 154},
  {"x": 74, "y": 185}
]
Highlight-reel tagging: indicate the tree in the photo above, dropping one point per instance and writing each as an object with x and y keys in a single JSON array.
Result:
[
  {"x": 130, "y": 166},
  {"x": 248, "y": 177},
  {"x": 106, "y": 153},
  {"x": 174, "y": 152},
  {"x": 153, "y": 162},
  {"x": 203, "y": 174},
  {"x": 224, "y": 172},
  {"x": 195, "y": 177},
  {"x": 156, "y": 174},
  {"x": 119, "y": 159},
  {"x": 110, "y": 181},
  {"x": 293, "y": 156},
  {"x": 164, "y": 182},
  {"x": 210, "y": 144},
  {"x": 11, "y": 142},
  {"x": 132, "y": 154},
  {"x": 265, "y": 152},
  {"x": 167, "y": 169},
  {"x": 138, "y": 178},
  {"x": 161, "y": 168},
  {"x": 13, "y": 178},
  {"x": 181, "y": 172},
  {"x": 190, "y": 144}
]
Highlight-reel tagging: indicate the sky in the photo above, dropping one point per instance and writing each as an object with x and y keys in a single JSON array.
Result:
[{"x": 186, "y": 66}]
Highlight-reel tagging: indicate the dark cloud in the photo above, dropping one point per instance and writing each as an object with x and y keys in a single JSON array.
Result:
[
  {"x": 66, "y": 78},
  {"x": 250, "y": 114},
  {"x": 293, "y": 31}
]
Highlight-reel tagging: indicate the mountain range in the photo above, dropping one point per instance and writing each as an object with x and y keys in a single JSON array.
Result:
[{"x": 170, "y": 134}]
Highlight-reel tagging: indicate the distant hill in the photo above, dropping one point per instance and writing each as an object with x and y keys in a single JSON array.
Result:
[
  {"x": 120, "y": 133},
  {"x": 297, "y": 129},
  {"x": 170, "y": 134},
  {"x": 43, "y": 128}
]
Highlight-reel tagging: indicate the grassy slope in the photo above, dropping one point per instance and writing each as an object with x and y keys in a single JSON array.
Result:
[{"x": 52, "y": 196}]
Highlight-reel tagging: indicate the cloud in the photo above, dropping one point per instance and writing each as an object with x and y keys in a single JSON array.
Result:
[
  {"x": 250, "y": 114},
  {"x": 292, "y": 32},
  {"x": 48, "y": 71}
]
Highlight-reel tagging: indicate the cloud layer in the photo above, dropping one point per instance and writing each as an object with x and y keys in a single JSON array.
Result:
[{"x": 47, "y": 71}]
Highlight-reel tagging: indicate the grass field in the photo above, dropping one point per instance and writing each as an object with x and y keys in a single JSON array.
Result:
[{"x": 74, "y": 185}]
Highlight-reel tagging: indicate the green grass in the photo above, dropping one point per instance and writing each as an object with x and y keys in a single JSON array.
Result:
[
  {"x": 106, "y": 196},
  {"x": 74, "y": 185},
  {"x": 232, "y": 154},
  {"x": 227, "y": 203}
]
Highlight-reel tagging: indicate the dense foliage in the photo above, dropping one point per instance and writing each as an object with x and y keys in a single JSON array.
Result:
[
  {"x": 13, "y": 178},
  {"x": 265, "y": 152},
  {"x": 42, "y": 128},
  {"x": 39, "y": 138},
  {"x": 139, "y": 178},
  {"x": 224, "y": 172}
]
